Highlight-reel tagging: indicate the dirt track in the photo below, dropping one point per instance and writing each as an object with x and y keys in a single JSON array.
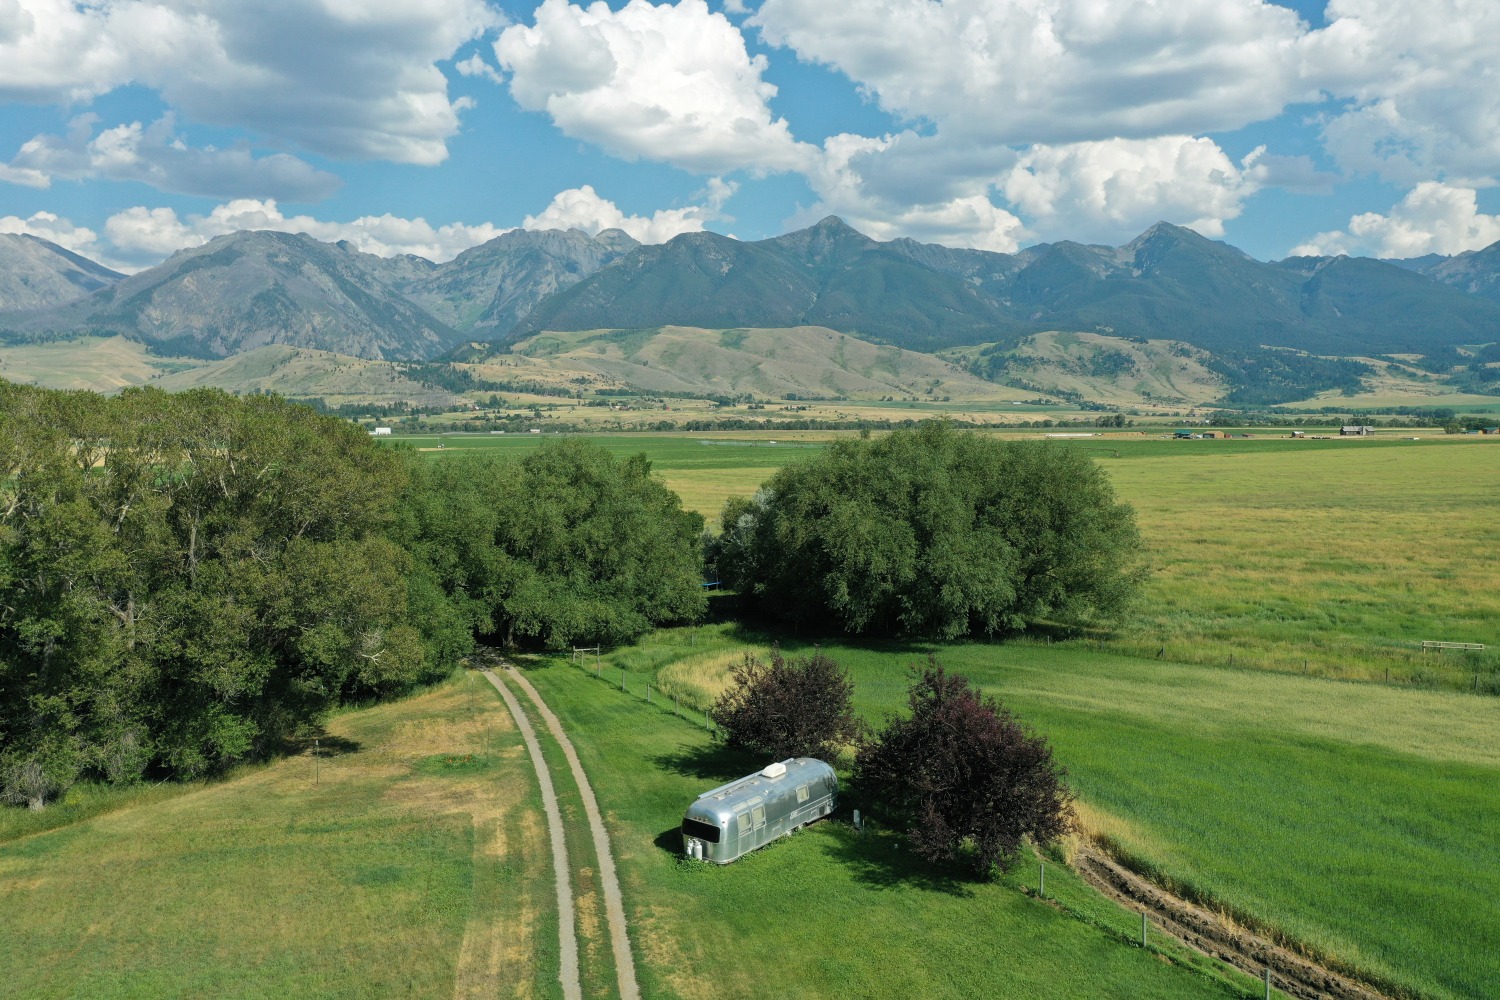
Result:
[
  {"x": 1212, "y": 934},
  {"x": 566, "y": 930}
]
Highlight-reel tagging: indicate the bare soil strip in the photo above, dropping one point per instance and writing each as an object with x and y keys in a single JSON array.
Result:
[
  {"x": 1213, "y": 934},
  {"x": 566, "y": 931},
  {"x": 614, "y": 907}
]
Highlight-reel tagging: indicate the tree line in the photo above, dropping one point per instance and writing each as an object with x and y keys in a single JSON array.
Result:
[{"x": 187, "y": 580}]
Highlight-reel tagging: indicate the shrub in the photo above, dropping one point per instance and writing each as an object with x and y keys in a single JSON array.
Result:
[
  {"x": 963, "y": 777},
  {"x": 790, "y": 707}
]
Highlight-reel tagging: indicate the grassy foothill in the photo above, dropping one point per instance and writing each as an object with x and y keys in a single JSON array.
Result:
[
  {"x": 409, "y": 860},
  {"x": 1345, "y": 816}
]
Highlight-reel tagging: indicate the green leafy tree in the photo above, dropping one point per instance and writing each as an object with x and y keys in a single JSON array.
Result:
[
  {"x": 187, "y": 578},
  {"x": 934, "y": 532},
  {"x": 569, "y": 544},
  {"x": 800, "y": 706},
  {"x": 963, "y": 777}
]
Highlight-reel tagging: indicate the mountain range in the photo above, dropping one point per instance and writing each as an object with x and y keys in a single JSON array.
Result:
[{"x": 251, "y": 289}]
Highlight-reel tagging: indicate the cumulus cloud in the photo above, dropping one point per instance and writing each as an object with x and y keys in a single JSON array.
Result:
[
  {"x": 1111, "y": 190},
  {"x": 47, "y": 226},
  {"x": 583, "y": 208},
  {"x": 1104, "y": 191},
  {"x": 342, "y": 78},
  {"x": 476, "y": 66},
  {"x": 142, "y": 236},
  {"x": 672, "y": 83},
  {"x": 156, "y": 155},
  {"x": 1432, "y": 218},
  {"x": 1055, "y": 71},
  {"x": 1424, "y": 85},
  {"x": 874, "y": 185}
]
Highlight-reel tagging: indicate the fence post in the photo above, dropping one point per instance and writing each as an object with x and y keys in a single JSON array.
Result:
[
  {"x": 1041, "y": 880},
  {"x": 1144, "y": 925},
  {"x": 1268, "y": 982}
]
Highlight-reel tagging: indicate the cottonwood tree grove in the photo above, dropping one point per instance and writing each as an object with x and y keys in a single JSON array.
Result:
[
  {"x": 184, "y": 579},
  {"x": 187, "y": 579},
  {"x": 933, "y": 532},
  {"x": 569, "y": 544}
]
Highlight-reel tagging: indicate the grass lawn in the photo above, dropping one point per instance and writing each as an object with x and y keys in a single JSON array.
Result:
[
  {"x": 416, "y": 865},
  {"x": 826, "y": 913},
  {"x": 1355, "y": 818}
]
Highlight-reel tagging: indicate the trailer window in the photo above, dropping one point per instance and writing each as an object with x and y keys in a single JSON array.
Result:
[
  {"x": 758, "y": 814},
  {"x": 744, "y": 821},
  {"x": 801, "y": 793},
  {"x": 701, "y": 830}
]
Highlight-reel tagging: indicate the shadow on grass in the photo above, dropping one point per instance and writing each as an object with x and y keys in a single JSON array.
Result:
[
  {"x": 670, "y": 841},
  {"x": 327, "y": 745},
  {"x": 879, "y": 860},
  {"x": 714, "y": 763}
]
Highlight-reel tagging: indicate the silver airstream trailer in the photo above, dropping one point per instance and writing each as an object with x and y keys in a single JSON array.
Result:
[{"x": 734, "y": 819}]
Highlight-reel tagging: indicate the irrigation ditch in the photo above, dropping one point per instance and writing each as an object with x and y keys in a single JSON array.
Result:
[{"x": 1216, "y": 935}]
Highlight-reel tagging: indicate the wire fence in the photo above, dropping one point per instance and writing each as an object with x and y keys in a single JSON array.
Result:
[{"x": 639, "y": 687}]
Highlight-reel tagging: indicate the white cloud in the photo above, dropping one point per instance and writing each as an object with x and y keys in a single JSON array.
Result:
[
  {"x": 672, "y": 83},
  {"x": 1432, "y": 218},
  {"x": 476, "y": 66},
  {"x": 1425, "y": 82},
  {"x": 48, "y": 226},
  {"x": 339, "y": 77},
  {"x": 955, "y": 211},
  {"x": 1055, "y": 71},
  {"x": 932, "y": 189},
  {"x": 158, "y": 156},
  {"x": 583, "y": 208},
  {"x": 1109, "y": 191},
  {"x": 143, "y": 236}
]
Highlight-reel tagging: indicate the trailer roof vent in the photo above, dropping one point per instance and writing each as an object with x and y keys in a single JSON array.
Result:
[{"x": 774, "y": 770}]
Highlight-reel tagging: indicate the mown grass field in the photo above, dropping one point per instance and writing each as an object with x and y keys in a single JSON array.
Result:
[
  {"x": 1335, "y": 558},
  {"x": 1353, "y": 818},
  {"x": 825, "y": 912},
  {"x": 416, "y": 865}
]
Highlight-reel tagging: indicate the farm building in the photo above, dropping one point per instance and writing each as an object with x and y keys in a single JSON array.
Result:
[
  {"x": 1182, "y": 435},
  {"x": 1356, "y": 430},
  {"x": 732, "y": 820},
  {"x": 381, "y": 432}
]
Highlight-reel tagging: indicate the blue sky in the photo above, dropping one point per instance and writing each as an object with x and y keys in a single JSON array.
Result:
[{"x": 132, "y": 128}]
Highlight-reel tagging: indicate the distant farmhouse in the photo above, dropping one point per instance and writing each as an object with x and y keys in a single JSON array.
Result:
[{"x": 1356, "y": 430}]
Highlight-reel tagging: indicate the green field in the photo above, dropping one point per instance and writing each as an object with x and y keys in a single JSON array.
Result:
[
  {"x": 1348, "y": 817},
  {"x": 410, "y": 860},
  {"x": 826, "y": 912},
  {"x": 1335, "y": 558}
]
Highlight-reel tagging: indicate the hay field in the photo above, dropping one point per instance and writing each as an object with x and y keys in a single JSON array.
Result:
[{"x": 409, "y": 860}]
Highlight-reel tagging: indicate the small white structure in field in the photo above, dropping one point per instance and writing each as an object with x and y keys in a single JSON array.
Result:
[{"x": 381, "y": 432}]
